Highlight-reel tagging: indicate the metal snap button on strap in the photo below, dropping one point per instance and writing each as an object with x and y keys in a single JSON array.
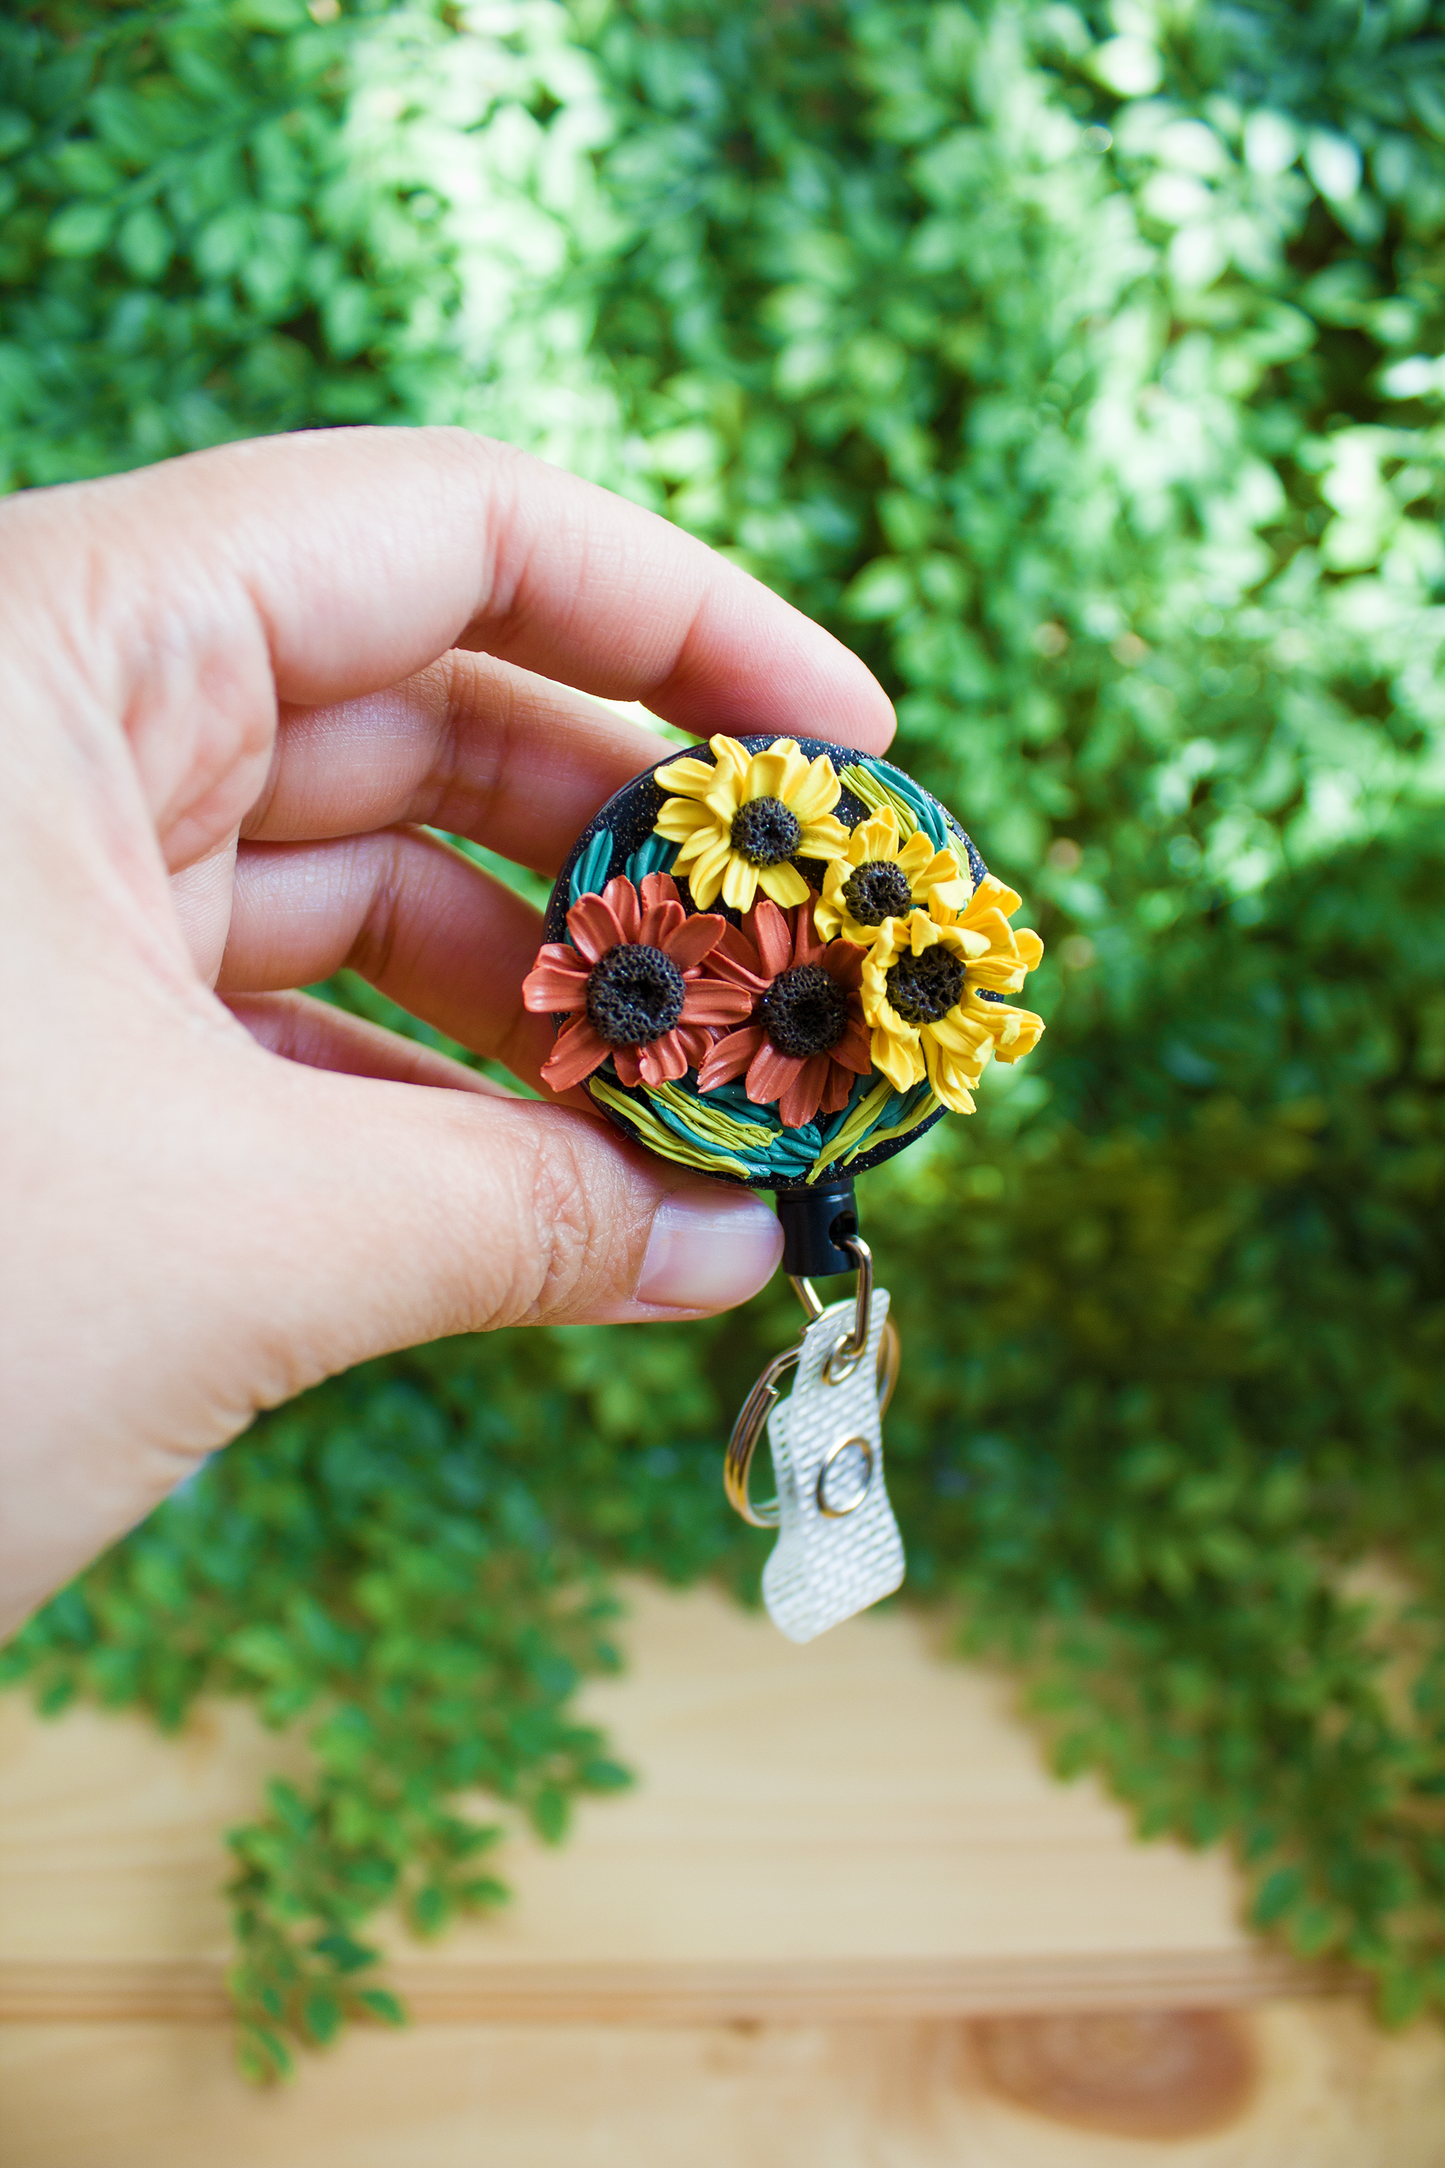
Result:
[{"x": 844, "y": 1477}]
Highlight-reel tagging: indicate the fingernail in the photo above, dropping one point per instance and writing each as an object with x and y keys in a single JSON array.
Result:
[{"x": 709, "y": 1249}]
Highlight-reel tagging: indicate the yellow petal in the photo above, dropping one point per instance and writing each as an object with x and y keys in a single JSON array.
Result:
[
  {"x": 705, "y": 873},
  {"x": 770, "y": 774},
  {"x": 993, "y": 926},
  {"x": 824, "y": 837},
  {"x": 783, "y": 883},
  {"x": 728, "y": 753},
  {"x": 951, "y": 1086},
  {"x": 878, "y": 1010},
  {"x": 877, "y": 837},
  {"x": 916, "y": 856},
  {"x": 1030, "y": 947},
  {"x": 829, "y": 921},
  {"x": 997, "y": 974},
  {"x": 882, "y": 951},
  {"x": 691, "y": 778},
  {"x": 959, "y": 1034},
  {"x": 1024, "y": 1040},
  {"x": 902, "y": 1065},
  {"x": 816, "y": 791},
  {"x": 739, "y": 882},
  {"x": 831, "y": 913},
  {"x": 951, "y": 895},
  {"x": 683, "y": 817},
  {"x": 991, "y": 895}
]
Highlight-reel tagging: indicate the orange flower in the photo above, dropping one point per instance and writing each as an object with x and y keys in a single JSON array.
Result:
[
  {"x": 807, "y": 1040},
  {"x": 634, "y": 979}
]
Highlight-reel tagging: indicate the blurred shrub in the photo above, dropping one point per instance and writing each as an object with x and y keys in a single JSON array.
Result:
[{"x": 1082, "y": 368}]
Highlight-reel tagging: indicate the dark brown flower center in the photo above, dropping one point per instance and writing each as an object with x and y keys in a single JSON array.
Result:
[
  {"x": 805, "y": 1012},
  {"x": 878, "y": 890},
  {"x": 765, "y": 831},
  {"x": 634, "y": 995},
  {"x": 923, "y": 988}
]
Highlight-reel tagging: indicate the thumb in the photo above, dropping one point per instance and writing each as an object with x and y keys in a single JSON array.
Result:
[
  {"x": 414, "y": 1214},
  {"x": 268, "y": 1225}
]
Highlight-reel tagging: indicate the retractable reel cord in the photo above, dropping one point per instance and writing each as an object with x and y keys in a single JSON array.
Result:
[{"x": 780, "y": 963}]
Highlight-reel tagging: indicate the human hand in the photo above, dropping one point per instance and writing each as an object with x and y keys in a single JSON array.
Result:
[{"x": 232, "y": 686}]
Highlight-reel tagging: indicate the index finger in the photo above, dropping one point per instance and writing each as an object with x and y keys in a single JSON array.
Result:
[{"x": 369, "y": 552}]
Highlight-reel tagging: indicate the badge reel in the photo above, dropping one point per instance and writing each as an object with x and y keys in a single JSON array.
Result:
[{"x": 779, "y": 963}]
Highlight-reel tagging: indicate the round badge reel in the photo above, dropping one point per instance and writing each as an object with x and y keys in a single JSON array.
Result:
[{"x": 779, "y": 962}]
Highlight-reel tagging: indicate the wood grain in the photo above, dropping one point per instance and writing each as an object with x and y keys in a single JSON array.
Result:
[
  {"x": 1327, "y": 2091},
  {"x": 178, "y": 1991},
  {"x": 845, "y": 1920},
  {"x": 858, "y": 1824}
]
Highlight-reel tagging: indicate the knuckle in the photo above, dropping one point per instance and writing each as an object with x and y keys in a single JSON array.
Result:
[
  {"x": 380, "y": 888},
  {"x": 570, "y": 1244}
]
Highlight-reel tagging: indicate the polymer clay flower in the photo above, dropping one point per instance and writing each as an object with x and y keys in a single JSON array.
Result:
[
  {"x": 931, "y": 995},
  {"x": 634, "y": 981},
  {"x": 807, "y": 1040},
  {"x": 1009, "y": 952},
  {"x": 741, "y": 822},
  {"x": 882, "y": 877}
]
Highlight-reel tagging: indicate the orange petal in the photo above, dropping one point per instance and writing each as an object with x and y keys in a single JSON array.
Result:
[
  {"x": 663, "y": 1061},
  {"x": 594, "y": 926},
  {"x": 577, "y": 1053},
  {"x": 843, "y": 961},
  {"x": 694, "y": 1039},
  {"x": 769, "y": 930},
  {"x": 657, "y": 922},
  {"x": 695, "y": 938},
  {"x": 770, "y": 1073},
  {"x": 556, "y": 981},
  {"x": 622, "y": 896},
  {"x": 658, "y": 888},
  {"x": 799, "y": 1102},
  {"x": 729, "y": 1057},
  {"x": 855, "y": 1049},
  {"x": 714, "y": 1001},
  {"x": 838, "y": 1087}
]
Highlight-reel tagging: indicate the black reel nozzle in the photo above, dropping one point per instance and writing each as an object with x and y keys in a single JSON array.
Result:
[{"x": 815, "y": 1223}]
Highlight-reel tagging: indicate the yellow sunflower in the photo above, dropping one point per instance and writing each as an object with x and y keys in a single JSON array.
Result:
[
  {"x": 742, "y": 822},
  {"x": 924, "y": 985},
  {"x": 882, "y": 877}
]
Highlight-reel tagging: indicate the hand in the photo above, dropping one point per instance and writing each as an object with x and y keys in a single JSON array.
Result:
[{"x": 231, "y": 687}]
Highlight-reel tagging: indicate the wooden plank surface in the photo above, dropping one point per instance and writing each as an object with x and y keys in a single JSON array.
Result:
[
  {"x": 1287, "y": 2085},
  {"x": 842, "y": 1922},
  {"x": 857, "y": 1828}
]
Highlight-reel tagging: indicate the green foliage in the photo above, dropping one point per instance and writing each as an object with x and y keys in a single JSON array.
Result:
[
  {"x": 1081, "y": 367},
  {"x": 220, "y": 217}
]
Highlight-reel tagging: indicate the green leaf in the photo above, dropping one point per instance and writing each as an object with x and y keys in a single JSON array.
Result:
[
  {"x": 344, "y": 1952},
  {"x": 550, "y": 1814},
  {"x": 881, "y": 590},
  {"x": 1278, "y": 1895},
  {"x": 16, "y": 130},
  {"x": 383, "y": 2006},
  {"x": 321, "y": 2012},
  {"x": 278, "y": 16},
  {"x": 145, "y": 243},
  {"x": 430, "y": 1909},
  {"x": 80, "y": 229}
]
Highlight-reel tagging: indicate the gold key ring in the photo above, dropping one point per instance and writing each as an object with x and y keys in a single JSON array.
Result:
[{"x": 840, "y": 1364}]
